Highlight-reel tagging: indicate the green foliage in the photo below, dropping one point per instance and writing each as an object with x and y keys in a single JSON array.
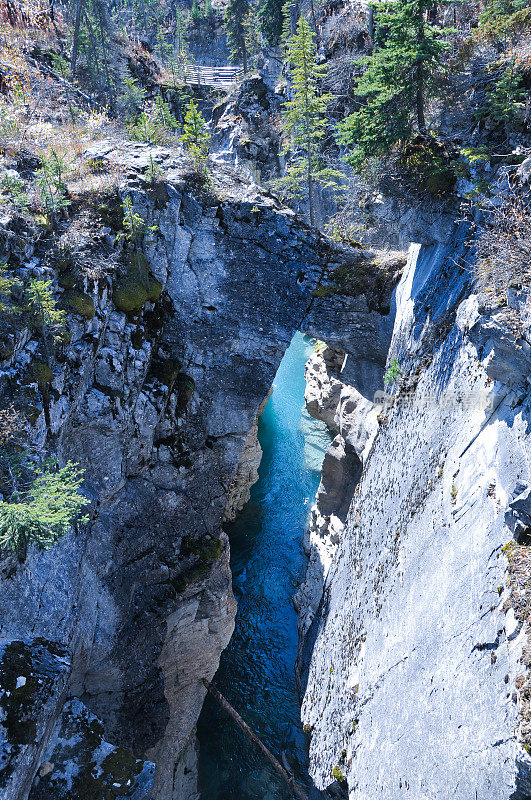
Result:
[
  {"x": 271, "y": 19},
  {"x": 196, "y": 12},
  {"x": 338, "y": 774},
  {"x": 252, "y": 34},
  {"x": 43, "y": 512},
  {"x": 399, "y": 76},
  {"x": 475, "y": 155},
  {"x": 7, "y": 284},
  {"x": 235, "y": 13},
  {"x": 162, "y": 114},
  {"x": 304, "y": 117},
  {"x": 427, "y": 166},
  {"x": 156, "y": 125},
  {"x": 17, "y": 192},
  {"x": 132, "y": 96},
  {"x": 393, "y": 372},
  {"x": 154, "y": 171},
  {"x": 195, "y": 136},
  {"x": 497, "y": 15},
  {"x": 163, "y": 47},
  {"x": 50, "y": 179},
  {"x": 134, "y": 226},
  {"x": 44, "y": 311},
  {"x": 506, "y": 98}
]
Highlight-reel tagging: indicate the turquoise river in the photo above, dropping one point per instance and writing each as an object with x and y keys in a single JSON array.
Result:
[{"x": 256, "y": 673}]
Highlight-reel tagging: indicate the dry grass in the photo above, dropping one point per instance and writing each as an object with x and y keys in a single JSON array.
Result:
[{"x": 504, "y": 246}]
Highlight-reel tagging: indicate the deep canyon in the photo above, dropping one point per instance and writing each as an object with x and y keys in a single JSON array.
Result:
[{"x": 308, "y": 471}]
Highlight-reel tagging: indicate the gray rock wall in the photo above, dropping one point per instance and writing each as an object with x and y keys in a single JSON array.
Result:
[
  {"x": 417, "y": 658},
  {"x": 155, "y": 403}
]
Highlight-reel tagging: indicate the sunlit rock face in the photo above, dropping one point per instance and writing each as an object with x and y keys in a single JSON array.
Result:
[{"x": 414, "y": 614}]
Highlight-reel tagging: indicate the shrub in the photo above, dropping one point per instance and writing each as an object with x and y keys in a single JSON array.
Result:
[
  {"x": 43, "y": 308},
  {"x": 134, "y": 226},
  {"x": 51, "y": 184},
  {"x": 195, "y": 136},
  {"x": 132, "y": 96},
  {"x": 506, "y": 98},
  {"x": 7, "y": 284},
  {"x": 156, "y": 125},
  {"x": 394, "y": 371},
  {"x": 45, "y": 511},
  {"x": 16, "y": 190},
  {"x": 503, "y": 245}
]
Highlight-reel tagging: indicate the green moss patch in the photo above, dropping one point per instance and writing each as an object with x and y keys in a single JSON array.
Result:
[
  {"x": 165, "y": 370},
  {"x": 80, "y": 303},
  {"x": 86, "y": 767},
  {"x": 40, "y": 373},
  {"x": 203, "y": 551},
  {"x": 28, "y": 676},
  {"x": 137, "y": 286},
  {"x": 111, "y": 212}
]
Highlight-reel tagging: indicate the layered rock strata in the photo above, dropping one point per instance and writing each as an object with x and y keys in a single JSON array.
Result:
[
  {"x": 176, "y": 333},
  {"x": 416, "y": 617}
]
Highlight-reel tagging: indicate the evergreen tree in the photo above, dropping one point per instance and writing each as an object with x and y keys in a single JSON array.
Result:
[
  {"x": 44, "y": 511},
  {"x": 235, "y": 14},
  {"x": 195, "y": 136},
  {"x": 304, "y": 116},
  {"x": 397, "y": 81},
  {"x": 271, "y": 19},
  {"x": 253, "y": 37}
]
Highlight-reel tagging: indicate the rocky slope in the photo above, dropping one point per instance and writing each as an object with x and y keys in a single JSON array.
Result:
[
  {"x": 415, "y": 610},
  {"x": 176, "y": 335}
]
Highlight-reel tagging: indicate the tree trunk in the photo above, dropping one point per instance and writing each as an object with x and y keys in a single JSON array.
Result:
[
  {"x": 421, "y": 120},
  {"x": 104, "y": 50},
  {"x": 244, "y": 54},
  {"x": 371, "y": 25},
  {"x": 75, "y": 43},
  {"x": 275, "y": 763}
]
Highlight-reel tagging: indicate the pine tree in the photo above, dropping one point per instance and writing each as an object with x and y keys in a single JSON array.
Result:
[
  {"x": 235, "y": 14},
  {"x": 304, "y": 116},
  {"x": 398, "y": 79},
  {"x": 271, "y": 19},
  {"x": 253, "y": 37},
  {"x": 43, "y": 512},
  {"x": 195, "y": 136}
]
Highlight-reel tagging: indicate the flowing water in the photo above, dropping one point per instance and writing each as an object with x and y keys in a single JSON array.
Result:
[{"x": 256, "y": 673}]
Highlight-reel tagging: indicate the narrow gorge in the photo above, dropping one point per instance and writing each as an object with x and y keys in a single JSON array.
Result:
[{"x": 293, "y": 423}]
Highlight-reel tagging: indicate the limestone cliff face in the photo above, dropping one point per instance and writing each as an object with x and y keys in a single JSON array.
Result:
[
  {"x": 105, "y": 638},
  {"x": 415, "y": 659}
]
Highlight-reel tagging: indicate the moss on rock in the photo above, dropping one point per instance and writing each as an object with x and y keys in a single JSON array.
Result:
[
  {"x": 137, "y": 286},
  {"x": 203, "y": 551},
  {"x": 40, "y": 373},
  {"x": 80, "y": 303}
]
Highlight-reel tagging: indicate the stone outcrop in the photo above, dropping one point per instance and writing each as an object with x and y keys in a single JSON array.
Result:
[
  {"x": 353, "y": 420},
  {"x": 415, "y": 658},
  {"x": 246, "y": 473},
  {"x": 244, "y": 130},
  {"x": 175, "y": 337}
]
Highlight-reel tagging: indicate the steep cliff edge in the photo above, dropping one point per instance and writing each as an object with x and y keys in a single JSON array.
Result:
[
  {"x": 415, "y": 660},
  {"x": 176, "y": 328}
]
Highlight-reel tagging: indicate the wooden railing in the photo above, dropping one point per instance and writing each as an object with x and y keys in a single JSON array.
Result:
[{"x": 221, "y": 77}]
